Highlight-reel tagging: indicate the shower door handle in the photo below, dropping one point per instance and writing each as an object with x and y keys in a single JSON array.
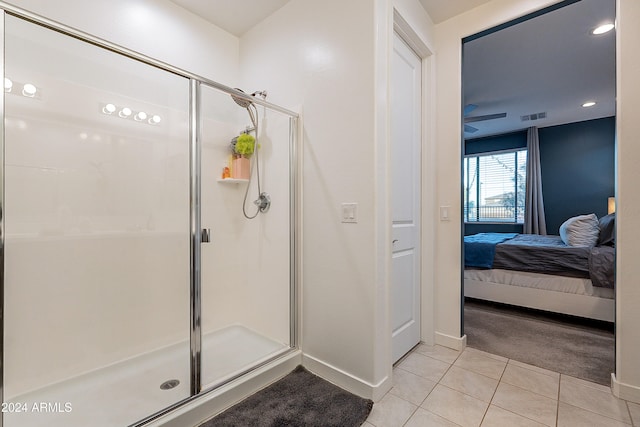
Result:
[{"x": 205, "y": 235}]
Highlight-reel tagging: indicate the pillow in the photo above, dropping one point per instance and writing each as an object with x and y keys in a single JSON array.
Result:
[
  {"x": 582, "y": 230},
  {"x": 607, "y": 225}
]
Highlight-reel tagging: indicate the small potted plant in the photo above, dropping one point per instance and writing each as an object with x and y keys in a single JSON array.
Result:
[{"x": 242, "y": 149}]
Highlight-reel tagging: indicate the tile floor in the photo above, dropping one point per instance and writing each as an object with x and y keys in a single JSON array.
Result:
[{"x": 437, "y": 386}]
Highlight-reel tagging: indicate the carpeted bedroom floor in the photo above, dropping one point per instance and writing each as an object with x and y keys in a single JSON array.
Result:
[{"x": 570, "y": 346}]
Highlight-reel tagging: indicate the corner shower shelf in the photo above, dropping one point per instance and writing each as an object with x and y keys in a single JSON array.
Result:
[{"x": 232, "y": 180}]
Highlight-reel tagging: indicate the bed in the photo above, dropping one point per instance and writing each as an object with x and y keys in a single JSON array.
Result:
[{"x": 562, "y": 274}]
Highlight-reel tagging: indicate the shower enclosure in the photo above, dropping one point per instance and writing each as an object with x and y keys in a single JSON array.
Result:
[{"x": 132, "y": 283}]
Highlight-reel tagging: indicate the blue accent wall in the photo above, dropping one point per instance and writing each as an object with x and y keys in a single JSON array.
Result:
[
  {"x": 578, "y": 170},
  {"x": 507, "y": 141}
]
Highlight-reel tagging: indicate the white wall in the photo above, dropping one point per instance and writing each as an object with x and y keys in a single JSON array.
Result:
[
  {"x": 321, "y": 56},
  {"x": 627, "y": 378},
  {"x": 332, "y": 59},
  {"x": 448, "y": 261}
]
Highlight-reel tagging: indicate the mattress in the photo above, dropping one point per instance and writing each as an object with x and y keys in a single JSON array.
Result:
[
  {"x": 571, "y": 285},
  {"x": 542, "y": 254}
]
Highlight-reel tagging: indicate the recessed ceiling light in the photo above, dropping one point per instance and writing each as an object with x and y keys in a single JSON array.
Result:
[
  {"x": 29, "y": 90},
  {"x": 140, "y": 116},
  {"x": 109, "y": 109},
  {"x": 589, "y": 104},
  {"x": 125, "y": 112},
  {"x": 604, "y": 28}
]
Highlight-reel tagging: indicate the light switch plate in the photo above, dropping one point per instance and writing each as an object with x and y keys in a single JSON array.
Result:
[
  {"x": 349, "y": 212},
  {"x": 444, "y": 213}
]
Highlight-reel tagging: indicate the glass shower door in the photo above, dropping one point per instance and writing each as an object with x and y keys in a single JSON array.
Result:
[
  {"x": 97, "y": 267},
  {"x": 247, "y": 267}
]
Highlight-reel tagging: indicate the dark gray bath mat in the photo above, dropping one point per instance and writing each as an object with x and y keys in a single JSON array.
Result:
[{"x": 299, "y": 399}]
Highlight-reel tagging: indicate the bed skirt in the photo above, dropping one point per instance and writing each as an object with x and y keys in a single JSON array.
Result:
[{"x": 566, "y": 295}]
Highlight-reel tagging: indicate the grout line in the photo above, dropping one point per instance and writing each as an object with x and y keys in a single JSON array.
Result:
[
  {"x": 434, "y": 387},
  {"x": 478, "y": 373},
  {"x": 511, "y": 411},
  {"x": 629, "y": 411},
  {"x": 558, "y": 403},
  {"x": 411, "y": 415},
  {"x": 397, "y": 366},
  {"x": 494, "y": 392},
  {"x": 526, "y": 366},
  {"x": 602, "y": 415}
]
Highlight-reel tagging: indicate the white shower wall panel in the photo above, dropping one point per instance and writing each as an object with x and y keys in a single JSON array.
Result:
[{"x": 82, "y": 302}]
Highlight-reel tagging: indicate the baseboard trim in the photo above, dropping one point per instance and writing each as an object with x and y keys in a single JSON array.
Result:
[
  {"x": 456, "y": 343},
  {"x": 345, "y": 380},
  {"x": 625, "y": 391}
]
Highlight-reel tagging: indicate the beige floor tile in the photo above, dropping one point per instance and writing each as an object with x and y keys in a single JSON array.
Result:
[
  {"x": 424, "y": 366},
  {"x": 411, "y": 387},
  {"x": 391, "y": 411},
  {"x": 570, "y": 416},
  {"x": 526, "y": 403},
  {"x": 535, "y": 368},
  {"x": 534, "y": 381},
  {"x": 498, "y": 417},
  {"x": 455, "y": 406},
  {"x": 484, "y": 353},
  {"x": 422, "y": 418},
  {"x": 585, "y": 383},
  {"x": 366, "y": 424},
  {"x": 593, "y": 397},
  {"x": 444, "y": 354},
  {"x": 471, "y": 383},
  {"x": 634, "y": 408},
  {"x": 481, "y": 363}
]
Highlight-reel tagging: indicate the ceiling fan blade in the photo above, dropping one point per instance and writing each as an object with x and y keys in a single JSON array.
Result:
[
  {"x": 470, "y": 129},
  {"x": 469, "y": 108},
  {"x": 485, "y": 117}
]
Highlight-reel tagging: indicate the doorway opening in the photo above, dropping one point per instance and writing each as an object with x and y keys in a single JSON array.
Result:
[{"x": 528, "y": 125}]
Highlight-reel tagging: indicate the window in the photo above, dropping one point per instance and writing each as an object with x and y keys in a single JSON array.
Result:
[{"x": 494, "y": 187}]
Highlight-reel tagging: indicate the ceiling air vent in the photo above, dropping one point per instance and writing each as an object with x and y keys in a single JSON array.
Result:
[{"x": 535, "y": 116}]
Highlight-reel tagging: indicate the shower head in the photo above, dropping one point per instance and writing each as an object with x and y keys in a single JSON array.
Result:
[{"x": 244, "y": 103}]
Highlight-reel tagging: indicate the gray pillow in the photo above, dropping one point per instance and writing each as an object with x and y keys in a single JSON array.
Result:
[
  {"x": 581, "y": 230},
  {"x": 607, "y": 230}
]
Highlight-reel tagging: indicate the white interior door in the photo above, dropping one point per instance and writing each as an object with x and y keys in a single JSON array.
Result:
[{"x": 406, "y": 113}]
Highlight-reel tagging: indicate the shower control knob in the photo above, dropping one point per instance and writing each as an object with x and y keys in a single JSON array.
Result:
[{"x": 263, "y": 202}]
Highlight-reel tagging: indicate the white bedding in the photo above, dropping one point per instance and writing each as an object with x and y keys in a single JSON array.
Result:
[{"x": 569, "y": 285}]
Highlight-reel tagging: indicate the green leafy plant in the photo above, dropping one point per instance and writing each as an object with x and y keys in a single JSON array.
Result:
[{"x": 245, "y": 145}]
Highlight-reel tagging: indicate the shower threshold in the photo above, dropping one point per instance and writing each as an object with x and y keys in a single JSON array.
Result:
[{"x": 125, "y": 392}]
